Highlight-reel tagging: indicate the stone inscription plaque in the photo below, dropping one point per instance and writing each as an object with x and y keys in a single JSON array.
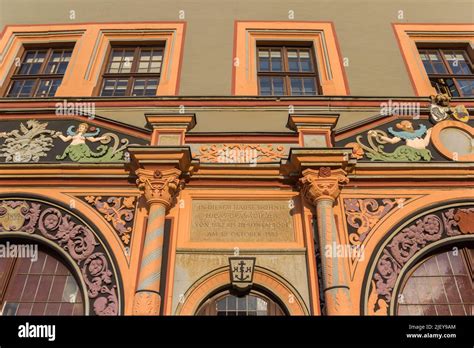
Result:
[{"x": 241, "y": 221}]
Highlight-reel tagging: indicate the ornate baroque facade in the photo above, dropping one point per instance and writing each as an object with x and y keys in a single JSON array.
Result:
[{"x": 169, "y": 200}]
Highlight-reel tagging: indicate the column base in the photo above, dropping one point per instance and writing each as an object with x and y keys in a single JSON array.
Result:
[
  {"x": 146, "y": 303},
  {"x": 338, "y": 302}
]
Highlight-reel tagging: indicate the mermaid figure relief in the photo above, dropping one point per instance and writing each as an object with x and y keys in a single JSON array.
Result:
[
  {"x": 79, "y": 151},
  {"x": 415, "y": 148}
]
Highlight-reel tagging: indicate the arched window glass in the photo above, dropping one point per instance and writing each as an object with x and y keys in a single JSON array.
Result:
[
  {"x": 45, "y": 286},
  {"x": 441, "y": 284},
  {"x": 228, "y": 303}
]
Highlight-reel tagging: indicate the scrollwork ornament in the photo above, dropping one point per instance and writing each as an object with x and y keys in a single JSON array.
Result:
[
  {"x": 408, "y": 242},
  {"x": 74, "y": 238}
]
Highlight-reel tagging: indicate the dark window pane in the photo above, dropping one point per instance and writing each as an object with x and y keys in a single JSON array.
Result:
[
  {"x": 467, "y": 87},
  {"x": 252, "y": 303},
  {"x": 145, "y": 87},
  {"x": 109, "y": 86},
  {"x": 438, "y": 65},
  {"x": 296, "y": 86},
  {"x": 139, "y": 87},
  {"x": 155, "y": 67},
  {"x": 150, "y": 61},
  {"x": 305, "y": 61},
  {"x": 121, "y": 61},
  {"x": 231, "y": 303},
  {"x": 47, "y": 88},
  {"x": 263, "y": 60},
  {"x": 26, "y": 64},
  {"x": 242, "y": 303},
  {"x": 309, "y": 87},
  {"x": 278, "y": 86},
  {"x": 58, "y": 62},
  {"x": 114, "y": 87},
  {"x": 293, "y": 60},
  {"x": 276, "y": 60},
  {"x": 452, "y": 87},
  {"x": 152, "y": 85},
  {"x": 221, "y": 305},
  {"x": 426, "y": 63},
  {"x": 37, "y": 62},
  {"x": 15, "y": 88},
  {"x": 265, "y": 87},
  {"x": 121, "y": 87},
  {"x": 457, "y": 62},
  {"x": 127, "y": 62}
]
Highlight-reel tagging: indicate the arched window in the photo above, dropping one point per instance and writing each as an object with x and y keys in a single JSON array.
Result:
[
  {"x": 441, "y": 284},
  {"x": 229, "y": 303},
  {"x": 38, "y": 285}
]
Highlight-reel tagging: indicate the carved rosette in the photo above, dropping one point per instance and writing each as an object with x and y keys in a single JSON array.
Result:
[
  {"x": 159, "y": 186},
  {"x": 75, "y": 238},
  {"x": 146, "y": 303},
  {"x": 322, "y": 184},
  {"x": 405, "y": 244}
]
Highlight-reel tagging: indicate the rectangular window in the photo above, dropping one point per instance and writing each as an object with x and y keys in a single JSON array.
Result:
[
  {"x": 40, "y": 73},
  {"x": 132, "y": 71},
  {"x": 450, "y": 71},
  {"x": 286, "y": 70}
]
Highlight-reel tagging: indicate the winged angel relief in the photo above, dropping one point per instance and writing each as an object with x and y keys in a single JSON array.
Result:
[
  {"x": 414, "y": 149},
  {"x": 33, "y": 141}
]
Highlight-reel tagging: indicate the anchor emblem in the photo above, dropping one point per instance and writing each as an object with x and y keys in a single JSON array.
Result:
[{"x": 241, "y": 271}]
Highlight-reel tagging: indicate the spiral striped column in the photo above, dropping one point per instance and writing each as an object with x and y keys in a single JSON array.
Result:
[
  {"x": 159, "y": 188},
  {"x": 321, "y": 188},
  {"x": 148, "y": 289},
  {"x": 152, "y": 250},
  {"x": 334, "y": 272}
]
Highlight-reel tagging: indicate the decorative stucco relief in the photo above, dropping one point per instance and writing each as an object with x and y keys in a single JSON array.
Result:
[
  {"x": 75, "y": 238},
  {"x": 404, "y": 245}
]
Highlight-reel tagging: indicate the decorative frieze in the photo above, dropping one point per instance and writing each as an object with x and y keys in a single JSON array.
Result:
[
  {"x": 35, "y": 141},
  {"x": 240, "y": 153}
]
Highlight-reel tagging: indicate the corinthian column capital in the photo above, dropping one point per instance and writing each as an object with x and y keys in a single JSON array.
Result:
[
  {"x": 159, "y": 186},
  {"x": 322, "y": 184}
]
